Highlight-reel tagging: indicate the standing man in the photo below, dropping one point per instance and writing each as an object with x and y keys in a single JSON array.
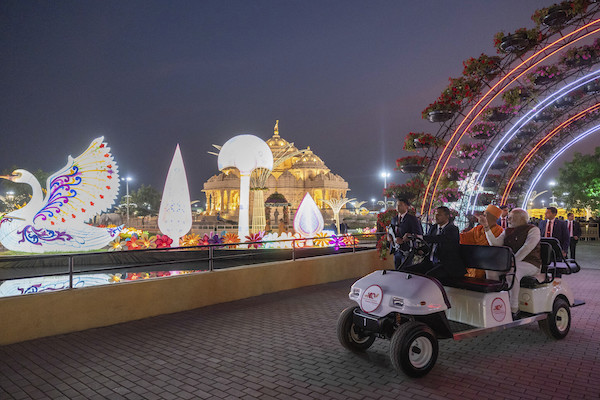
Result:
[
  {"x": 502, "y": 220},
  {"x": 574, "y": 229},
  {"x": 402, "y": 224},
  {"x": 553, "y": 227},
  {"x": 444, "y": 260}
]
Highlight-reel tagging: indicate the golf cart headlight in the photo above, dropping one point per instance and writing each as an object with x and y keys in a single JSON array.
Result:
[
  {"x": 397, "y": 302},
  {"x": 355, "y": 292}
]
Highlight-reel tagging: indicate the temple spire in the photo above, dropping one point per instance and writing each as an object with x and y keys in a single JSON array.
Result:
[{"x": 276, "y": 130}]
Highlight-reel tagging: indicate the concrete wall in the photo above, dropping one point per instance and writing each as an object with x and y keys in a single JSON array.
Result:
[{"x": 46, "y": 314}]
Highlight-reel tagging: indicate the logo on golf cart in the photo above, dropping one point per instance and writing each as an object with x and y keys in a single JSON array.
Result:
[
  {"x": 371, "y": 298},
  {"x": 498, "y": 309}
]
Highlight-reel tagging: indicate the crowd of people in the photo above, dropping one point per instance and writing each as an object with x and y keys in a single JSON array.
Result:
[{"x": 496, "y": 226}]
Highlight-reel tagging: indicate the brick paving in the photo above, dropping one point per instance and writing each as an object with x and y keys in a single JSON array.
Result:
[{"x": 284, "y": 346}]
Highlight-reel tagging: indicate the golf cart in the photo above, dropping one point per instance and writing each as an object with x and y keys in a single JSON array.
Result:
[{"x": 413, "y": 311}]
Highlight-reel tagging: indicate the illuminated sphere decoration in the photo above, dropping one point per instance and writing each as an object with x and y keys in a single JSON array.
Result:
[
  {"x": 246, "y": 153},
  {"x": 308, "y": 220}
]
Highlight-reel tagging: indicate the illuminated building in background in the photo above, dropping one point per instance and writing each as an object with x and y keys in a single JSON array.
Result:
[{"x": 300, "y": 173}]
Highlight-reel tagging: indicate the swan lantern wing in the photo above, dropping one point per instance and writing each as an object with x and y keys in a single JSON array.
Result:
[{"x": 84, "y": 187}]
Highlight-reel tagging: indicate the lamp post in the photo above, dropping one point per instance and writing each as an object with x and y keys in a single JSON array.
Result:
[
  {"x": 127, "y": 196},
  {"x": 385, "y": 175}
]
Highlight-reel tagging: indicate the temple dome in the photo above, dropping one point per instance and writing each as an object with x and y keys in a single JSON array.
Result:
[{"x": 309, "y": 160}]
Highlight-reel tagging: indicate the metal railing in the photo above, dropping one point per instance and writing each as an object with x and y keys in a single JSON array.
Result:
[{"x": 214, "y": 256}]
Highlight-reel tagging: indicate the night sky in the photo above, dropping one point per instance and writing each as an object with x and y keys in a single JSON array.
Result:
[{"x": 348, "y": 78}]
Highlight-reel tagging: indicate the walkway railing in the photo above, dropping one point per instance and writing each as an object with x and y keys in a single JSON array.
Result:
[{"x": 39, "y": 273}]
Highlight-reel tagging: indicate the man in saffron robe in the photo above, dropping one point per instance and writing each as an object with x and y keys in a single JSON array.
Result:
[{"x": 477, "y": 235}]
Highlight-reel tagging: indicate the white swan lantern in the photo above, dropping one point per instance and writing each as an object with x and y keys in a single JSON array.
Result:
[{"x": 86, "y": 186}]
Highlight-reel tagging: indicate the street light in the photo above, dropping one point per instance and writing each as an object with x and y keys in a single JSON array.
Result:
[
  {"x": 127, "y": 195},
  {"x": 385, "y": 175},
  {"x": 373, "y": 203}
]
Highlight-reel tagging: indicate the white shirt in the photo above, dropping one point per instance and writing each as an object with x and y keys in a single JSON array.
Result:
[{"x": 533, "y": 238}]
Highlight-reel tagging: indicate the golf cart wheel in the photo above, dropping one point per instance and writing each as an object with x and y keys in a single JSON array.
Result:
[
  {"x": 414, "y": 349},
  {"x": 558, "y": 323},
  {"x": 349, "y": 336}
]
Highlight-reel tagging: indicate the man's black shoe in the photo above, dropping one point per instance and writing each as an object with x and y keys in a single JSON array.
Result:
[{"x": 516, "y": 315}]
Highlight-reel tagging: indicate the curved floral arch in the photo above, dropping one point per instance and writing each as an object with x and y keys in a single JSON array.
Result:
[{"x": 469, "y": 118}]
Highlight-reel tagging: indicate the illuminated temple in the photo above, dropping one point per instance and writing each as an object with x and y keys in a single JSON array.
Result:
[{"x": 298, "y": 172}]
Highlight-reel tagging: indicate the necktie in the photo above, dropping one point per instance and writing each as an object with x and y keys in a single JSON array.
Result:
[
  {"x": 549, "y": 228},
  {"x": 571, "y": 228},
  {"x": 434, "y": 257},
  {"x": 503, "y": 222}
]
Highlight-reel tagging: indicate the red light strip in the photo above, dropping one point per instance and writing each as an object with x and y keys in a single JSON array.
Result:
[
  {"x": 492, "y": 99},
  {"x": 539, "y": 144}
]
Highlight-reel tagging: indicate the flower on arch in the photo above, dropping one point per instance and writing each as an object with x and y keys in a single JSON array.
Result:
[{"x": 163, "y": 241}]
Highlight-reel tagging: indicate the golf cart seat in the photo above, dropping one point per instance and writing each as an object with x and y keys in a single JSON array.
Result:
[
  {"x": 489, "y": 258},
  {"x": 564, "y": 265},
  {"x": 548, "y": 270}
]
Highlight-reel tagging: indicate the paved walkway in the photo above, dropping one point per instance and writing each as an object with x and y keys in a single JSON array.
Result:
[{"x": 284, "y": 346}]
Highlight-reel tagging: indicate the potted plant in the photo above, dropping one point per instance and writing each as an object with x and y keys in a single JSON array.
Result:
[
  {"x": 518, "y": 95},
  {"x": 579, "y": 56},
  {"x": 564, "y": 102},
  {"x": 502, "y": 162},
  {"x": 544, "y": 75},
  {"x": 557, "y": 15},
  {"x": 593, "y": 87},
  {"x": 410, "y": 190},
  {"x": 449, "y": 195},
  {"x": 469, "y": 151},
  {"x": 455, "y": 174},
  {"x": 554, "y": 16},
  {"x": 484, "y": 199},
  {"x": 528, "y": 131},
  {"x": 500, "y": 113},
  {"x": 512, "y": 147},
  {"x": 484, "y": 66},
  {"x": 519, "y": 42},
  {"x": 544, "y": 115},
  {"x": 439, "y": 111},
  {"x": 483, "y": 130},
  {"x": 419, "y": 140},
  {"x": 491, "y": 181},
  {"x": 412, "y": 164}
]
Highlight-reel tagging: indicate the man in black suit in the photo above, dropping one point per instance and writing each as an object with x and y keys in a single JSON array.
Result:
[
  {"x": 402, "y": 224},
  {"x": 574, "y": 229},
  {"x": 503, "y": 220},
  {"x": 444, "y": 260},
  {"x": 553, "y": 227}
]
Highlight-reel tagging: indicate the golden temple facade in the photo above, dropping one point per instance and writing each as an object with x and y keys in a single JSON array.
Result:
[{"x": 295, "y": 173}]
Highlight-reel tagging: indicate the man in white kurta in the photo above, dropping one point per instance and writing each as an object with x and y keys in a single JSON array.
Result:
[{"x": 524, "y": 240}]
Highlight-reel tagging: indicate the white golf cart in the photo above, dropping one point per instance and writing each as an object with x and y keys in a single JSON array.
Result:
[{"x": 414, "y": 310}]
